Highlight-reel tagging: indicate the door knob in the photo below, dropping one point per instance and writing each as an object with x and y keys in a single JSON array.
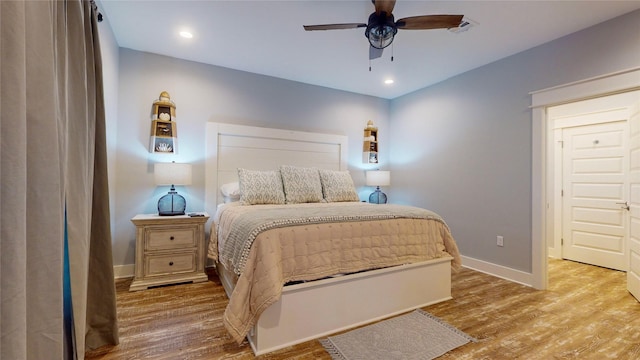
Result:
[{"x": 625, "y": 205}]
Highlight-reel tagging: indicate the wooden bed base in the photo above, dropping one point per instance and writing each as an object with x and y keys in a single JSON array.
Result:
[{"x": 315, "y": 309}]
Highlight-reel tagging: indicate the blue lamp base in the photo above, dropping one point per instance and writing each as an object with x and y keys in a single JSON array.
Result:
[
  {"x": 171, "y": 204},
  {"x": 378, "y": 197}
]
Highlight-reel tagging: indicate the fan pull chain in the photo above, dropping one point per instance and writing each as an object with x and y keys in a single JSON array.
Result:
[
  {"x": 369, "y": 65},
  {"x": 391, "y": 51}
]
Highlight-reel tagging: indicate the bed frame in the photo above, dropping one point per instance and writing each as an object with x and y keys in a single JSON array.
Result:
[{"x": 314, "y": 309}]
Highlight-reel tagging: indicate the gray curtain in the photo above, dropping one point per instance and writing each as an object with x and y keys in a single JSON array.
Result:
[{"x": 53, "y": 160}]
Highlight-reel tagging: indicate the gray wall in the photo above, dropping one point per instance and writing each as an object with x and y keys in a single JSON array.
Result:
[
  {"x": 463, "y": 147},
  {"x": 205, "y": 93}
]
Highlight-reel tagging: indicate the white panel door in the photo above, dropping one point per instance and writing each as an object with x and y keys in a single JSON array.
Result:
[
  {"x": 595, "y": 186},
  {"x": 633, "y": 274}
]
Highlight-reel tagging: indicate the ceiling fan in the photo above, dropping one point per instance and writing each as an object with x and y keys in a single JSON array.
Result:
[{"x": 381, "y": 27}]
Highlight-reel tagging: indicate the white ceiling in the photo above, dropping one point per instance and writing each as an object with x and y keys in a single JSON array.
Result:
[{"x": 266, "y": 37}]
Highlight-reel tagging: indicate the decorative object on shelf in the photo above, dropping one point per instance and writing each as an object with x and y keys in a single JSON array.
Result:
[
  {"x": 172, "y": 174},
  {"x": 378, "y": 178},
  {"x": 370, "y": 144},
  {"x": 164, "y": 131}
]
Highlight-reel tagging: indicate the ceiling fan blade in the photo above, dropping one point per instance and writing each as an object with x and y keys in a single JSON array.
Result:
[
  {"x": 427, "y": 22},
  {"x": 374, "y": 53},
  {"x": 334, "y": 26},
  {"x": 384, "y": 6}
]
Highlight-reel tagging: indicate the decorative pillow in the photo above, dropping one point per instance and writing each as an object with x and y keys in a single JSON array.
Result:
[
  {"x": 260, "y": 187},
  {"x": 231, "y": 190},
  {"x": 338, "y": 186},
  {"x": 301, "y": 185}
]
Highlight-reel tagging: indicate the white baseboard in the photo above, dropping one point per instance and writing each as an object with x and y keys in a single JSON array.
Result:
[
  {"x": 500, "y": 271},
  {"x": 123, "y": 271},
  {"x": 554, "y": 252},
  {"x": 503, "y": 272}
]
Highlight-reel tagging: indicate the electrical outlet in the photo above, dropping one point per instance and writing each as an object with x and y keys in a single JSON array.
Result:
[{"x": 500, "y": 241}]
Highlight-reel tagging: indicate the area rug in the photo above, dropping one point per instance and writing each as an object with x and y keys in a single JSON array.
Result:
[{"x": 416, "y": 335}]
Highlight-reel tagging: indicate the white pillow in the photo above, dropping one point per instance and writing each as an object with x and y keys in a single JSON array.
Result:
[
  {"x": 260, "y": 187},
  {"x": 338, "y": 186},
  {"x": 231, "y": 189},
  {"x": 301, "y": 184}
]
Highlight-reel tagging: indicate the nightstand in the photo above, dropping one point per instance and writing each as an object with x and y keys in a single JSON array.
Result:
[{"x": 169, "y": 250}]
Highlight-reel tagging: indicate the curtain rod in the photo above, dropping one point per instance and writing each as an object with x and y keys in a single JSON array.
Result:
[{"x": 95, "y": 8}]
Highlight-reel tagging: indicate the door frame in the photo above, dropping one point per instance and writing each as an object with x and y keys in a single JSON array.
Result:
[{"x": 542, "y": 216}]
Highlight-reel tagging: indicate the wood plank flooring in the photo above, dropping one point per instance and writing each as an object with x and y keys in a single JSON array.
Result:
[{"x": 585, "y": 314}]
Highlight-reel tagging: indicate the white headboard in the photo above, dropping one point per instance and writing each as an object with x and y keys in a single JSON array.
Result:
[{"x": 229, "y": 147}]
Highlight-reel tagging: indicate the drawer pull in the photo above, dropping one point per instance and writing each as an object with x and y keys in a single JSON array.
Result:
[
  {"x": 170, "y": 263},
  {"x": 171, "y": 238}
]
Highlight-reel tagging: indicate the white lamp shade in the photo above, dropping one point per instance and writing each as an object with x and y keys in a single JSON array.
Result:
[
  {"x": 172, "y": 173},
  {"x": 378, "y": 178}
]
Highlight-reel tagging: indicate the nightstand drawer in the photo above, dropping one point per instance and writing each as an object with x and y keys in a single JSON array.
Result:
[
  {"x": 175, "y": 238},
  {"x": 170, "y": 263}
]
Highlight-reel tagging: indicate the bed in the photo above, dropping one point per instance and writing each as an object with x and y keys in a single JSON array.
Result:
[{"x": 300, "y": 268}]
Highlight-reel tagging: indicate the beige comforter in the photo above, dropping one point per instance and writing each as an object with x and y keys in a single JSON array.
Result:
[{"x": 316, "y": 250}]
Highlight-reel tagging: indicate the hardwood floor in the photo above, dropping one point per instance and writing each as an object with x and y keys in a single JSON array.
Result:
[{"x": 585, "y": 314}]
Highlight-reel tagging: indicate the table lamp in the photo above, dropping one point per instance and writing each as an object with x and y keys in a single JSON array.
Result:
[
  {"x": 378, "y": 178},
  {"x": 172, "y": 174}
]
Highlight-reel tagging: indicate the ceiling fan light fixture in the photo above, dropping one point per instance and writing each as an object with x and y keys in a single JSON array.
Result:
[
  {"x": 381, "y": 30},
  {"x": 381, "y": 36}
]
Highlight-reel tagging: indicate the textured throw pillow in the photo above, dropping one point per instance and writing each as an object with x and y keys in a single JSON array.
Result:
[
  {"x": 260, "y": 187},
  {"x": 338, "y": 186},
  {"x": 301, "y": 185}
]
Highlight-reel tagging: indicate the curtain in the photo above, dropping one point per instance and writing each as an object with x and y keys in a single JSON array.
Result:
[{"x": 53, "y": 160}]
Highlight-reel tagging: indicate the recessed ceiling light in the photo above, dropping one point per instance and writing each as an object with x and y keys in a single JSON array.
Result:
[
  {"x": 388, "y": 81},
  {"x": 186, "y": 34}
]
